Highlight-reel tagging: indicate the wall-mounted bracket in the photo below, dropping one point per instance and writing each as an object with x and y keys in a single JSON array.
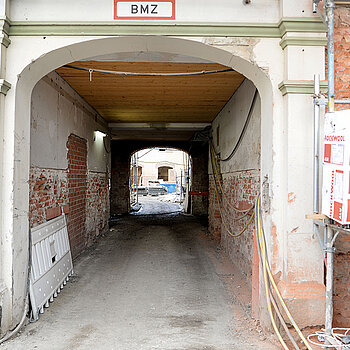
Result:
[{"x": 5, "y": 86}]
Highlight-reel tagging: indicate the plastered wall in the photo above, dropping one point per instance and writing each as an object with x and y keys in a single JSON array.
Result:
[
  {"x": 239, "y": 177},
  {"x": 191, "y": 11},
  {"x": 69, "y": 165}
]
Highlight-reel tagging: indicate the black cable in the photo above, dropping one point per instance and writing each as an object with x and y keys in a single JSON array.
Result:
[
  {"x": 92, "y": 70},
  {"x": 243, "y": 130},
  {"x": 104, "y": 144}
]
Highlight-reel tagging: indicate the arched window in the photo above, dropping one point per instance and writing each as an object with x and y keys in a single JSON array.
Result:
[{"x": 163, "y": 173}]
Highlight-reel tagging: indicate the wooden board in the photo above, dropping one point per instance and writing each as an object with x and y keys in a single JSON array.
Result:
[{"x": 154, "y": 99}]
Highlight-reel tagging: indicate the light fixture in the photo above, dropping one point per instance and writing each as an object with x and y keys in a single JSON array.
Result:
[{"x": 99, "y": 135}]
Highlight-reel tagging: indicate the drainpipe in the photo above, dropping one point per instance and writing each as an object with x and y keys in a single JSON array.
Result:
[
  {"x": 329, "y": 9},
  {"x": 330, "y": 20},
  {"x": 331, "y": 95}
]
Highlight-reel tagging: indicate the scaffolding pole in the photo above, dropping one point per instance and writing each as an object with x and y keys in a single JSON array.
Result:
[
  {"x": 319, "y": 100},
  {"x": 316, "y": 146}
]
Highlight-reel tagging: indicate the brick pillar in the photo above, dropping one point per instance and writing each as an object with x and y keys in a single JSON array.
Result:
[
  {"x": 77, "y": 188},
  {"x": 120, "y": 203},
  {"x": 200, "y": 179}
]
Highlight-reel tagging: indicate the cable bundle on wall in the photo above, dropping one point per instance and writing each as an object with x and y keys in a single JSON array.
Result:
[
  {"x": 222, "y": 199},
  {"x": 270, "y": 282},
  {"x": 268, "y": 277}
]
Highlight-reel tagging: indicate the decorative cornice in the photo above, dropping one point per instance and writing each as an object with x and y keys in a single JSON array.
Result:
[
  {"x": 303, "y": 41},
  {"x": 301, "y": 24},
  {"x": 258, "y": 30},
  {"x": 5, "y": 24},
  {"x": 300, "y": 86},
  {"x": 5, "y": 86},
  {"x": 4, "y": 40},
  {"x": 137, "y": 28}
]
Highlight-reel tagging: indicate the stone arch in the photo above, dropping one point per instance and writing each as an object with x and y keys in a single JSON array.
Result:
[{"x": 30, "y": 71}]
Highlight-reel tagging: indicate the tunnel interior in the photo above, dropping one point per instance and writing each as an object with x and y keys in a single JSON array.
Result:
[
  {"x": 161, "y": 175},
  {"x": 86, "y": 126}
]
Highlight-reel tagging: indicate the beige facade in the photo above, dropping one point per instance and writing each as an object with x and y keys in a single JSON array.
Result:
[
  {"x": 165, "y": 165},
  {"x": 277, "y": 45}
]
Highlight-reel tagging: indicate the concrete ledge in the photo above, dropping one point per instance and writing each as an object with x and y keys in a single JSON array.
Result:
[
  {"x": 302, "y": 41},
  {"x": 300, "y": 86},
  {"x": 245, "y": 29}
]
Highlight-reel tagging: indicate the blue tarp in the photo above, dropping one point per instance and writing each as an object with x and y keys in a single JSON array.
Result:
[{"x": 171, "y": 188}]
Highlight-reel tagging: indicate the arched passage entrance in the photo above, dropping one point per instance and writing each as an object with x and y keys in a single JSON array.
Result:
[{"x": 36, "y": 63}]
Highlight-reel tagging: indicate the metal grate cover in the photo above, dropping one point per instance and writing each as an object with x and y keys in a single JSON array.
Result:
[{"x": 51, "y": 263}]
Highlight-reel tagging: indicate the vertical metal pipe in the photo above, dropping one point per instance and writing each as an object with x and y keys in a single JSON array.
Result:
[
  {"x": 329, "y": 281},
  {"x": 181, "y": 189},
  {"x": 330, "y": 20},
  {"x": 316, "y": 145},
  {"x": 137, "y": 177}
]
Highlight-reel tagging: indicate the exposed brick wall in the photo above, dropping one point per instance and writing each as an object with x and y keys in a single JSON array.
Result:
[
  {"x": 342, "y": 54},
  {"x": 97, "y": 205},
  {"x": 342, "y": 89},
  {"x": 77, "y": 189},
  {"x": 200, "y": 179},
  {"x": 120, "y": 196},
  {"x": 241, "y": 189},
  {"x": 342, "y": 282},
  {"x": 48, "y": 189}
]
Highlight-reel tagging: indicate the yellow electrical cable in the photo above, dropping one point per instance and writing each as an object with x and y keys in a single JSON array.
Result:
[
  {"x": 223, "y": 220},
  {"x": 268, "y": 270},
  {"x": 215, "y": 169},
  {"x": 228, "y": 230},
  {"x": 264, "y": 260}
]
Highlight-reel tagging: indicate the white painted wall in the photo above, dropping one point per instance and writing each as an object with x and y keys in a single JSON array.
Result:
[
  {"x": 186, "y": 11},
  {"x": 230, "y": 122},
  {"x": 56, "y": 112}
]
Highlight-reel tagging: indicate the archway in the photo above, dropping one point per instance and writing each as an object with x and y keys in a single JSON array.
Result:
[{"x": 18, "y": 104}]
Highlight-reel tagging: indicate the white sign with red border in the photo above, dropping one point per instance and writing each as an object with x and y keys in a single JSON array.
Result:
[
  {"x": 144, "y": 9},
  {"x": 336, "y": 167}
]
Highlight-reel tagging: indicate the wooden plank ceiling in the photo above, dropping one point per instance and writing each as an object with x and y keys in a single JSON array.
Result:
[{"x": 185, "y": 99}]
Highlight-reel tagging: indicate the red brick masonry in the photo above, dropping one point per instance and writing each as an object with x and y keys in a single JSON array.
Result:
[
  {"x": 241, "y": 189},
  {"x": 84, "y": 193}
]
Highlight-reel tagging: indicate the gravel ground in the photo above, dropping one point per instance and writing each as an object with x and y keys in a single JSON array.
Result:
[{"x": 155, "y": 282}]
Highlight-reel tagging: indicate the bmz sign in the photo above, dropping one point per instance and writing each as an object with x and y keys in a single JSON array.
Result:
[{"x": 144, "y": 9}]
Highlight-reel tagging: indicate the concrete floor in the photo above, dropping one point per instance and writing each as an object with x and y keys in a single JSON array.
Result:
[{"x": 153, "y": 283}]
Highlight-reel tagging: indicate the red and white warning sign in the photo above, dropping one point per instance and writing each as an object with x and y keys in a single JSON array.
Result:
[
  {"x": 144, "y": 9},
  {"x": 336, "y": 167}
]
